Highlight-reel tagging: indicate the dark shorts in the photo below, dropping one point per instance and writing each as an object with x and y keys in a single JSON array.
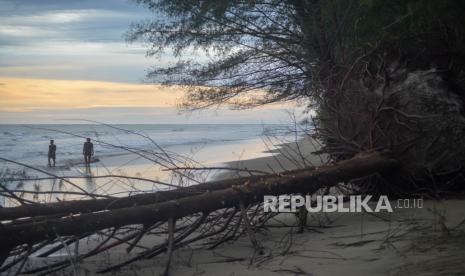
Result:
[{"x": 51, "y": 155}]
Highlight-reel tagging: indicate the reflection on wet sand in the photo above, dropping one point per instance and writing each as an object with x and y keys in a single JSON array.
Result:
[{"x": 90, "y": 182}]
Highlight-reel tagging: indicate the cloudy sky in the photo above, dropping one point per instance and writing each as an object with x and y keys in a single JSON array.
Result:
[{"x": 68, "y": 60}]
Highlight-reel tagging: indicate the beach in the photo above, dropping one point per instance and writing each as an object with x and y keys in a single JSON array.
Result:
[
  {"x": 175, "y": 138},
  {"x": 415, "y": 241},
  {"x": 142, "y": 151},
  {"x": 406, "y": 242},
  {"x": 420, "y": 241}
]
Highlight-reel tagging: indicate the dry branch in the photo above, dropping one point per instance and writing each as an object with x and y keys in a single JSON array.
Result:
[
  {"x": 93, "y": 205},
  {"x": 302, "y": 181}
]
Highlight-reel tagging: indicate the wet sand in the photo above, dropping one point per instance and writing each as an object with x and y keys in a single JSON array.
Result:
[
  {"x": 133, "y": 165},
  {"x": 426, "y": 241}
]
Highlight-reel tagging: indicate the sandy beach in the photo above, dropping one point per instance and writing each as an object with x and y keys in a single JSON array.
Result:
[
  {"x": 418, "y": 241},
  {"x": 283, "y": 157},
  {"x": 412, "y": 242},
  {"x": 182, "y": 138}
]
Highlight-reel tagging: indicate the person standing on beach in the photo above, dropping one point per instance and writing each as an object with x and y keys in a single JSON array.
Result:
[
  {"x": 88, "y": 151},
  {"x": 52, "y": 148}
]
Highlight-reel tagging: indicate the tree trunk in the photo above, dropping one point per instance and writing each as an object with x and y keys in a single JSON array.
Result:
[
  {"x": 93, "y": 205},
  {"x": 252, "y": 191}
]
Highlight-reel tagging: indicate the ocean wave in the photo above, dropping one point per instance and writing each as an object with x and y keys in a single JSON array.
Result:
[{"x": 32, "y": 143}]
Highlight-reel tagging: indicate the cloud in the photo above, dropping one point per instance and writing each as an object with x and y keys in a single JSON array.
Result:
[
  {"x": 68, "y": 59},
  {"x": 25, "y": 31},
  {"x": 83, "y": 36},
  {"x": 83, "y": 24},
  {"x": 79, "y": 60},
  {"x": 30, "y": 6},
  {"x": 57, "y": 17}
]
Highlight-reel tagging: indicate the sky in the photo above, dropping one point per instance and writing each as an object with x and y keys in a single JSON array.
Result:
[{"x": 61, "y": 61}]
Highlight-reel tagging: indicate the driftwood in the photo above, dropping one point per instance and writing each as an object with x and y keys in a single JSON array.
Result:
[{"x": 250, "y": 192}]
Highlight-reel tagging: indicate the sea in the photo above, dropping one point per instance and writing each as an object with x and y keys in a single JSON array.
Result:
[
  {"x": 29, "y": 143},
  {"x": 24, "y": 148}
]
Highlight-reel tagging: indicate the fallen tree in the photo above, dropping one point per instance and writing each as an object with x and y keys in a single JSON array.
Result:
[
  {"x": 93, "y": 205},
  {"x": 247, "y": 192}
]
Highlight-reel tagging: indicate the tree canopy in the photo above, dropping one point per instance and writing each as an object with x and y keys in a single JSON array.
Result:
[{"x": 248, "y": 53}]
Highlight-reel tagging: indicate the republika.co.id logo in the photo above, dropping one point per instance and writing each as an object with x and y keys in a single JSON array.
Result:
[{"x": 342, "y": 204}]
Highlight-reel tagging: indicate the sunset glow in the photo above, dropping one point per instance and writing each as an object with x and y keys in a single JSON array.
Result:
[
  {"x": 21, "y": 94},
  {"x": 64, "y": 60}
]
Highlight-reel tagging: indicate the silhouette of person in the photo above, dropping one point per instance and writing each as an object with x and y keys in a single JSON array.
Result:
[
  {"x": 52, "y": 148},
  {"x": 88, "y": 151}
]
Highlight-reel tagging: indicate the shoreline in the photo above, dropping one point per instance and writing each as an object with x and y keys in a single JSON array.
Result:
[
  {"x": 426, "y": 241},
  {"x": 285, "y": 156},
  {"x": 132, "y": 165}
]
